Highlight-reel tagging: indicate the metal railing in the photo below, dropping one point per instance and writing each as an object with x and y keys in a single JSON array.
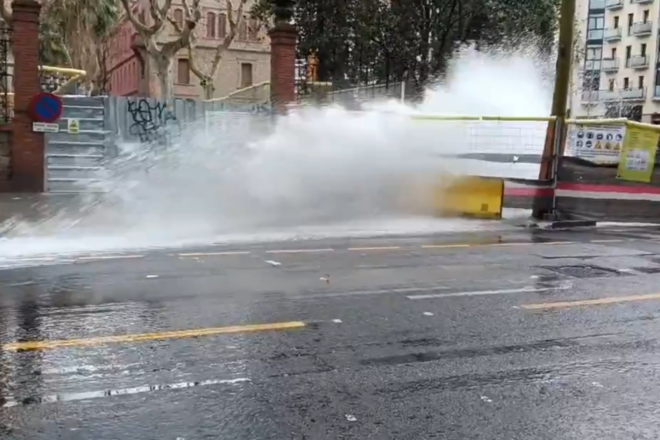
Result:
[
  {"x": 638, "y": 62},
  {"x": 641, "y": 28},
  {"x": 612, "y": 34}
]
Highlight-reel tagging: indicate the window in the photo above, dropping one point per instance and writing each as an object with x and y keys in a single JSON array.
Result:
[
  {"x": 645, "y": 16},
  {"x": 246, "y": 75},
  {"x": 611, "y": 85},
  {"x": 640, "y": 82},
  {"x": 222, "y": 26},
  {"x": 631, "y": 17},
  {"x": 183, "y": 71},
  {"x": 210, "y": 25},
  {"x": 616, "y": 22},
  {"x": 626, "y": 83},
  {"x": 597, "y": 22},
  {"x": 242, "y": 30},
  {"x": 628, "y": 52},
  {"x": 643, "y": 50},
  {"x": 594, "y": 53},
  {"x": 614, "y": 53},
  {"x": 178, "y": 17}
]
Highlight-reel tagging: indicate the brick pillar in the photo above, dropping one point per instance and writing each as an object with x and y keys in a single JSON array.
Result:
[
  {"x": 28, "y": 161},
  {"x": 283, "y": 39}
]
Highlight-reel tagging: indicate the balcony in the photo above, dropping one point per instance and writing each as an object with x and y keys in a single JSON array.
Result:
[
  {"x": 638, "y": 94},
  {"x": 612, "y": 34},
  {"x": 610, "y": 65},
  {"x": 590, "y": 97},
  {"x": 592, "y": 65},
  {"x": 597, "y": 4},
  {"x": 656, "y": 94},
  {"x": 595, "y": 34},
  {"x": 642, "y": 28},
  {"x": 638, "y": 62},
  {"x": 613, "y": 4},
  {"x": 641, "y": 2}
]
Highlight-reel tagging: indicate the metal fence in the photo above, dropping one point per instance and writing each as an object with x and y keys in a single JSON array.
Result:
[{"x": 93, "y": 128}]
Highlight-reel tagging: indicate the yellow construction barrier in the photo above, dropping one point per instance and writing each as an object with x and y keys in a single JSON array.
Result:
[{"x": 478, "y": 197}]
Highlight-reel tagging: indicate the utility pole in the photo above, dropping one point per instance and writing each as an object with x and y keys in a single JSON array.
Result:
[{"x": 559, "y": 100}]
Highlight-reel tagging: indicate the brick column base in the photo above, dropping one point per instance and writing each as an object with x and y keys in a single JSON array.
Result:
[
  {"x": 27, "y": 151},
  {"x": 283, "y": 39}
]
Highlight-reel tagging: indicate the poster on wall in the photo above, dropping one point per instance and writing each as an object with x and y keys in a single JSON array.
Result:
[
  {"x": 638, "y": 154},
  {"x": 599, "y": 144}
]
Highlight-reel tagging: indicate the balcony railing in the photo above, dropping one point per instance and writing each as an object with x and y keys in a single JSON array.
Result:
[
  {"x": 656, "y": 94},
  {"x": 610, "y": 65},
  {"x": 641, "y": 28},
  {"x": 638, "y": 62},
  {"x": 612, "y": 34},
  {"x": 590, "y": 96},
  {"x": 641, "y": 2},
  {"x": 614, "y": 4},
  {"x": 592, "y": 65},
  {"x": 595, "y": 34},
  {"x": 597, "y": 4},
  {"x": 622, "y": 95}
]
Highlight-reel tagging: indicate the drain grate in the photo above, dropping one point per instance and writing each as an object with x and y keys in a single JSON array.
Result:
[{"x": 584, "y": 271}]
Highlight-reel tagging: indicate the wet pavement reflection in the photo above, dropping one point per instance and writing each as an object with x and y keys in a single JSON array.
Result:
[{"x": 389, "y": 340}]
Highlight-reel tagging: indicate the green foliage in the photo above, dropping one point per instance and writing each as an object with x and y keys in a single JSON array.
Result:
[{"x": 362, "y": 41}]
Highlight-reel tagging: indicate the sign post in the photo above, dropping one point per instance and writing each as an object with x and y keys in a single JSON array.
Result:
[{"x": 46, "y": 110}]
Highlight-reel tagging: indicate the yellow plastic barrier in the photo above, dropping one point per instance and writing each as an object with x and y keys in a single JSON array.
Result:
[{"x": 477, "y": 197}]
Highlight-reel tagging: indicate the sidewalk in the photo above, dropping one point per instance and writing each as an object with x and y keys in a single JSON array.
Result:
[{"x": 33, "y": 208}]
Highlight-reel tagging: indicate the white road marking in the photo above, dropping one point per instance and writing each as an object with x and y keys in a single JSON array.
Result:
[
  {"x": 85, "y": 395},
  {"x": 298, "y": 251},
  {"x": 487, "y": 292},
  {"x": 108, "y": 257},
  {"x": 213, "y": 254},
  {"x": 151, "y": 276},
  {"x": 382, "y": 248},
  {"x": 337, "y": 321},
  {"x": 369, "y": 292},
  {"x": 428, "y": 314},
  {"x": 273, "y": 263}
]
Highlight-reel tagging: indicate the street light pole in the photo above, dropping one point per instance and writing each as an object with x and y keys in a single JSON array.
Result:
[{"x": 559, "y": 101}]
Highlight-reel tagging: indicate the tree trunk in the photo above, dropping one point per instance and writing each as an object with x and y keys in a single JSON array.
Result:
[
  {"x": 209, "y": 89},
  {"x": 165, "y": 77}
]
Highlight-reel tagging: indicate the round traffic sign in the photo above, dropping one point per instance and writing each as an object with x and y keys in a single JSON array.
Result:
[{"x": 46, "y": 107}]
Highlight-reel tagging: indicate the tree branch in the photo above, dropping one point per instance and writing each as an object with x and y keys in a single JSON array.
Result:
[
  {"x": 143, "y": 29},
  {"x": 186, "y": 36},
  {"x": 5, "y": 13}
]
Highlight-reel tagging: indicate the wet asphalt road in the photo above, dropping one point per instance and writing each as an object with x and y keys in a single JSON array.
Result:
[{"x": 474, "y": 336}]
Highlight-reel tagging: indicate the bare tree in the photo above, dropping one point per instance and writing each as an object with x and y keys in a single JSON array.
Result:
[
  {"x": 162, "y": 54},
  {"x": 207, "y": 79}
]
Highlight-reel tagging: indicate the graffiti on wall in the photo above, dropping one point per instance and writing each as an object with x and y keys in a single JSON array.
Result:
[{"x": 149, "y": 120}]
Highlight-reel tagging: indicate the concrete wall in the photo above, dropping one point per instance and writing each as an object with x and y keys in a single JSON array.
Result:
[{"x": 589, "y": 191}]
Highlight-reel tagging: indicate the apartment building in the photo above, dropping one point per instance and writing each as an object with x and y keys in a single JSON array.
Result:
[
  {"x": 245, "y": 63},
  {"x": 616, "y": 68}
]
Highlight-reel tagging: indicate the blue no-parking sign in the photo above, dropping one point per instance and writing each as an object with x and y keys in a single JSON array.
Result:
[{"x": 46, "y": 107}]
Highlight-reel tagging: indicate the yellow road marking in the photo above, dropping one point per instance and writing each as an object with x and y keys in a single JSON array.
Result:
[
  {"x": 382, "y": 248},
  {"x": 590, "y": 302},
  {"x": 511, "y": 244},
  {"x": 46, "y": 345},
  {"x": 298, "y": 251},
  {"x": 212, "y": 254}
]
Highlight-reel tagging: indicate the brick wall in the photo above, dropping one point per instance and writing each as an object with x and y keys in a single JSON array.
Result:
[
  {"x": 283, "y": 65},
  {"x": 27, "y": 150}
]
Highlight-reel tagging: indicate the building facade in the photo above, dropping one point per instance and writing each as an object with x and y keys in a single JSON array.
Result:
[
  {"x": 616, "y": 66},
  {"x": 245, "y": 63}
]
